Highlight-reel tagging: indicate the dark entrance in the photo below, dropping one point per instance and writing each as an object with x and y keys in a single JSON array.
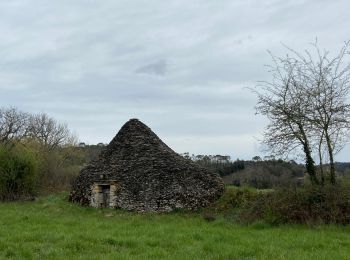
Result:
[{"x": 105, "y": 196}]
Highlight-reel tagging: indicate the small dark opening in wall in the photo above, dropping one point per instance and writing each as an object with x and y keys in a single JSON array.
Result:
[{"x": 105, "y": 190}]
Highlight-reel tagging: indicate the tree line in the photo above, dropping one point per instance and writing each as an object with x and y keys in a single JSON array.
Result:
[
  {"x": 262, "y": 173},
  {"x": 222, "y": 164}
]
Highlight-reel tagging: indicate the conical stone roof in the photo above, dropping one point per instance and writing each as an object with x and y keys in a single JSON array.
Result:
[{"x": 150, "y": 175}]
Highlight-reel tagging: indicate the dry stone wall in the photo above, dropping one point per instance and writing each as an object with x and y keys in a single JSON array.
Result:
[{"x": 149, "y": 175}]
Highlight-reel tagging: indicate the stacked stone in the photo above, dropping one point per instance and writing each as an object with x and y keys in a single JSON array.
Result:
[{"x": 150, "y": 175}]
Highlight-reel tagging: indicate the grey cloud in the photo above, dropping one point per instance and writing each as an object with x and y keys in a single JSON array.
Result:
[
  {"x": 180, "y": 66},
  {"x": 158, "y": 68}
]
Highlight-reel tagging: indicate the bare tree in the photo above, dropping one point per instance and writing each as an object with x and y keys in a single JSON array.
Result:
[
  {"x": 284, "y": 104},
  {"x": 17, "y": 125},
  {"x": 49, "y": 132},
  {"x": 13, "y": 124},
  {"x": 329, "y": 112},
  {"x": 306, "y": 102}
]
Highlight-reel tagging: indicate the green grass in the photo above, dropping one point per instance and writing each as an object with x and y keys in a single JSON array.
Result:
[{"x": 51, "y": 228}]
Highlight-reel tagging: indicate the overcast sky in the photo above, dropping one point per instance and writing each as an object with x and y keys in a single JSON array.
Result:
[{"x": 182, "y": 67}]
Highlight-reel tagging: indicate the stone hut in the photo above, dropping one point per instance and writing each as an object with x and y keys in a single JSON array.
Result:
[{"x": 137, "y": 171}]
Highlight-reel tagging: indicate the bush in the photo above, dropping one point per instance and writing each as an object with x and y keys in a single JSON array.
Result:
[
  {"x": 56, "y": 171},
  {"x": 18, "y": 172},
  {"x": 230, "y": 202},
  {"x": 326, "y": 204},
  {"x": 57, "y": 167}
]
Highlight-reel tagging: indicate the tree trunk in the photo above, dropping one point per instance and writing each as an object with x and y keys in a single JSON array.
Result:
[
  {"x": 321, "y": 168},
  {"x": 331, "y": 158},
  {"x": 310, "y": 164},
  {"x": 321, "y": 159}
]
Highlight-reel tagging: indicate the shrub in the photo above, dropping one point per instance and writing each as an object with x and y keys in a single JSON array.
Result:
[
  {"x": 56, "y": 172},
  {"x": 311, "y": 204},
  {"x": 57, "y": 167},
  {"x": 235, "y": 198},
  {"x": 230, "y": 201},
  {"x": 18, "y": 172}
]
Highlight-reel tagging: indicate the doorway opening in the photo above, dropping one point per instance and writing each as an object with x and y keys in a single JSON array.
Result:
[
  {"x": 103, "y": 195},
  {"x": 104, "y": 203}
]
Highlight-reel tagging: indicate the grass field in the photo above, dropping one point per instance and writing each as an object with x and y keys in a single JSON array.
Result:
[{"x": 51, "y": 228}]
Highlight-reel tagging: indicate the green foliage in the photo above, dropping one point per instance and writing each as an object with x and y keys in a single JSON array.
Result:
[
  {"x": 18, "y": 172},
  {"x": 310, "y": 204},
  {"x": 53, "y": 146},
  {"x": 232, "y": 199},
  {"x": 60, "y": 166},
  {"x": 52, "y": 228},
  {"x": 57, "y": 167}
]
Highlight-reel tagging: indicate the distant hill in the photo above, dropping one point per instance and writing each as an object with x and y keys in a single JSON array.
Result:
[
  {"x": 271, "y": 173},
  {"x": 257, "y": 173},
  {"x": 343, "y": 168},
  {"x": 267, "y": 174}
]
